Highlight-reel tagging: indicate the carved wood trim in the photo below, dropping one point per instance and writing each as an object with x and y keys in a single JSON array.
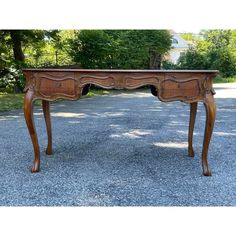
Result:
[
  {"x": 55, "y": 85},
  {"x": 107, "y": 82},
  {"x": 208, "y": 86},
  {"x": 119, "y": 81},
  {"x": 74, "y": 81},
  {"x": 65, "y": 93},
  {"x": 181, "y": 92},
  {"x": 30, "y": 81},
  {"x": 132, "y": 82}
]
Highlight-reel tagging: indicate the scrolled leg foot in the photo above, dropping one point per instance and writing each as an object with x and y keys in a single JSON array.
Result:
[
  {"x": 190, "y": 152},
  {"x": 206, "y": 169},
  {"x": 49, "y": 151},
  {"x": 36, "y": 167}
]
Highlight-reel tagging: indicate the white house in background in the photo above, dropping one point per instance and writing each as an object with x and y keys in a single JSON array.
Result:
[{"x": 179, "y": 46}]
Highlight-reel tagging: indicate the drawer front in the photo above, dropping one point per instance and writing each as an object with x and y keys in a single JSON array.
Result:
[
  {"x": 180, "y": 90},
  {"x": 53, "y": 86}
]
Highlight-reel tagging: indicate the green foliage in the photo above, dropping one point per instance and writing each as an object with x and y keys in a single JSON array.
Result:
[
  {"x": 192, "y": 60},
  {"x": 96, "y": 91},
  {"x": 10, "y": 101},
  {"x": 220, "y": 79},
  {"x": 11, "y": 76},
  {"x": 113, "y": 49},
  {"x": 91, "y": 48},
  {"x": 216, "y": 51},
  {"x": 54, "y": 50},
  {"x": 144, "y": 49},
  {"x": 188, "y": 37},
  {"x": 14, "y": 47},
  {"x": 120, "y": 48},
  {"x": 127, "y": 49},
  {"x": 167, "y": 65}
]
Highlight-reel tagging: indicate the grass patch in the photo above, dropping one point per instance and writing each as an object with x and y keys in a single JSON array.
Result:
[
  {"x": 12, "y": 101},
  {"x": 220, "y": 79},
  {"x": 95, "y": 92}
]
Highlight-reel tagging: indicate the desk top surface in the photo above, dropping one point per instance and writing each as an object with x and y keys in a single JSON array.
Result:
[{"x": 118, "y": 71}]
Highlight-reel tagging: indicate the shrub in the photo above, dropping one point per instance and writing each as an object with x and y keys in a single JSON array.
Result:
[
  {"x": 12, "y": 78},
  {"x": 192, "y": 60}
]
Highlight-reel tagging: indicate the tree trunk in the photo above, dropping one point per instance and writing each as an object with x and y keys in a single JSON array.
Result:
[
  {"x": 154, "y": 63},
  {"x": 18, "y": 52},
  {"x": 17, "y": 45},
  {"x": 154, "y": 60}
]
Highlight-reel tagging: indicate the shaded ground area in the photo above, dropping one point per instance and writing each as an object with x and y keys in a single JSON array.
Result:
[{"x": 124, "y": 149}]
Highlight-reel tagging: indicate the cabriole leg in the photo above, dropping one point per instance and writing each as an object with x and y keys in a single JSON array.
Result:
[
  {"x": 46, "y": 113},
  {"x": 210, "y": 107},
  {"x": 28, "y": 112},
  {"x": 193, "y": 112}
]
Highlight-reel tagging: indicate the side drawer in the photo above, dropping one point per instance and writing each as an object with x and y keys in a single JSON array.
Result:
[
  {"x": 59, "y": 85},
  {"x": 172, "y": 89}
]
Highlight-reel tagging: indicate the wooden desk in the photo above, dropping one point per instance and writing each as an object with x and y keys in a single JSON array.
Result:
[{"x": 168, "y": 85}]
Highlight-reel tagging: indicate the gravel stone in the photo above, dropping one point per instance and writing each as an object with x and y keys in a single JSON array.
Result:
[{"x": 122, "y": 149}]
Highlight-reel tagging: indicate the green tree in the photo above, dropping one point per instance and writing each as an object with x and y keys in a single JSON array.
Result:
[
  {"x": 120, "y": 48},
  {"x": 20, "y": 39},
  {"x": 217, "y": 50},
  {"x": 144, "y": 49},
  {"x": 91, "y": 48},
  {"x": 192, "y": 60},
  {"x": 16, "y": 42},
  {"x": 188, "y": 37}
]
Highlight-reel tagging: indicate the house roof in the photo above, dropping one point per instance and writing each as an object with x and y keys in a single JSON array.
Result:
[{"x": 178, "y": 42}]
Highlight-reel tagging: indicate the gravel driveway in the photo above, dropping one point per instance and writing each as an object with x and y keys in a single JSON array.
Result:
[{"x": 123, "y": 149}]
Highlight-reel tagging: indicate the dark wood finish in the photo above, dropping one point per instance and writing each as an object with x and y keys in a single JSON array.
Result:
[
  {"x": 46, "y": 113},
  {"x": 210, "y": 107},
  {"x": 28, "y": 112},
  {"x": 173, "y": 89},
  {"x": 193, "y": 112},
  {"x": 168, "y": 85}
]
